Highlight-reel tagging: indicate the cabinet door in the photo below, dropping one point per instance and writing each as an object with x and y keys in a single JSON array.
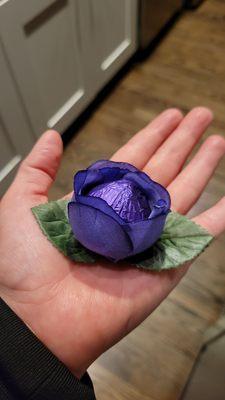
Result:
[
  {"x": 112, "y": 32},
  {"x": 42, "y": 41},
  {"x": 16, "y": 136}
]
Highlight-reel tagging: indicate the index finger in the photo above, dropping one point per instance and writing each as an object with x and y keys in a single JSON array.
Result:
[
  {"x": 144, "y": 144},
  {"x": 213, "y": 219}
]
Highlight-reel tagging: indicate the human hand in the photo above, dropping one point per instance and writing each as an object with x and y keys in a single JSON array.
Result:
[{"x": 78, "y": 311}]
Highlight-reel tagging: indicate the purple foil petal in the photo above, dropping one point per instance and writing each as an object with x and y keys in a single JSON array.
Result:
[
  {"x": 144, "y": 234},
  {"x": 85, "y": 180},
  {"x": 112, "y": 164},
  {"x": 99, "y": 232},
  {"x": 154, "y": 190}
]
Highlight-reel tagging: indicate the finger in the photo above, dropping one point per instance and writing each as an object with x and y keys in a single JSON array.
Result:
[
  {"x": 170, "y": 157},
  {"x": 213, "y": 219},
  {"x": 38, "y": 170},
  {"x": 189, "y": 184},
  {"x": 142, "y": 146}
]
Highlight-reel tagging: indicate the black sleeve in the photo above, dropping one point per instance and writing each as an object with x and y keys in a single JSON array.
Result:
[{"x": 28, "y": 370}]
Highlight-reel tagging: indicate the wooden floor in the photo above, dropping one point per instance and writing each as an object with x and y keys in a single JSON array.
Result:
[{"x": 185, "y": 70}]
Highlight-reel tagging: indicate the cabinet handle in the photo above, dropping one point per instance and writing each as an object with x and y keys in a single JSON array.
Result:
[
  {"x": 2, "y": 2},
  {"x": 9, "y": 166}
]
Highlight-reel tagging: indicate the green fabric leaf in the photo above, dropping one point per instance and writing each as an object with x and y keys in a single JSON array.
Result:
[
  {"x": 53, "y": 220},
  {"x": 182, "y": 240}
]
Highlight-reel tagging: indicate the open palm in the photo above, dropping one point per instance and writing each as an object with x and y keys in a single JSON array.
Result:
[{"x": 79, "y": 310}]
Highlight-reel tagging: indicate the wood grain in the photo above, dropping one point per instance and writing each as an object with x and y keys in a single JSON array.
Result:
[{"x": 185, "y": 70}]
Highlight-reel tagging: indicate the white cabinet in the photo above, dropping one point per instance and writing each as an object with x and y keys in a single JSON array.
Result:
[
  {"x": 63, "y": 51},
  {"x": 57, "y": 55},
  {"x": 16, "y": 136},
  {"x": 42, "y": 42},
  {"x": 109, "y": 30}
]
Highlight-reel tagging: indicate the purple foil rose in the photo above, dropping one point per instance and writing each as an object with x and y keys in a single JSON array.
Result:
[{"x": 116, "y": 210}]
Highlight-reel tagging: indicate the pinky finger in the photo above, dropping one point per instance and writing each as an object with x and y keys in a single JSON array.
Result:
[{"x": 213, "y": 219}]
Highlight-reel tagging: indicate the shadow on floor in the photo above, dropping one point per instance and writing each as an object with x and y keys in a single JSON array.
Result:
[{"x": 208, "y": 378}]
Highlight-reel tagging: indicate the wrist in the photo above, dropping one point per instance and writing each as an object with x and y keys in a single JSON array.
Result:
[{"x": 26, "y": 313}]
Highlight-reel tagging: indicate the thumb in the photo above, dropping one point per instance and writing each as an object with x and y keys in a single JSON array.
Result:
[{"x": 38, "y": 170}]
